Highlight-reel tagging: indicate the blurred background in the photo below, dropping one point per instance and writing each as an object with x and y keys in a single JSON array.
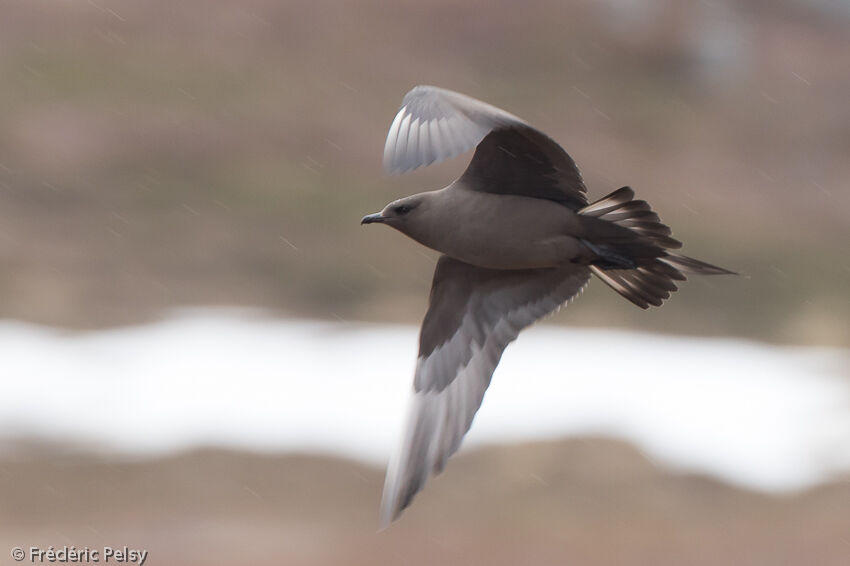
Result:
[{"x": 217, "y": 157}]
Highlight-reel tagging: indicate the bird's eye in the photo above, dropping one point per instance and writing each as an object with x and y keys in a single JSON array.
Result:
[{"x": 402, "y": 209}]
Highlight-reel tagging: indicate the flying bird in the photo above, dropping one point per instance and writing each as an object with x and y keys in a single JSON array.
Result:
[{"x": 518, "y": 240}]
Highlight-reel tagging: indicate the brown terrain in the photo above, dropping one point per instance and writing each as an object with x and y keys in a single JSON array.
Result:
[
  {"x": 589, "y": 501},
  {"x": 158, "y": 154}
]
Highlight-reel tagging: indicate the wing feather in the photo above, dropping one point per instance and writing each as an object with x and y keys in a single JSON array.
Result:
[
  {"x": 511, "y": 157},
  {"x": 426, "y": 151},
  {"x": 403, "y": 131},
  {"x": 474, "y": 314},
  {"x": 468, "y": 121}
]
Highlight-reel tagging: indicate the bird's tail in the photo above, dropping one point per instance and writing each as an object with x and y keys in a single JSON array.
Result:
[{"x": 636, "y": 262}]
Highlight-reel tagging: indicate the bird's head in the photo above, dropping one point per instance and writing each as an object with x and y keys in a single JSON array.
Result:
[{"x": 402, "y": 214}]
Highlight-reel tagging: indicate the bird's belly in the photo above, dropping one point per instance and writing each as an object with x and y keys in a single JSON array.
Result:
[
  {"x": 504, "y": 231},
  {"x": 494, "y": 253}
]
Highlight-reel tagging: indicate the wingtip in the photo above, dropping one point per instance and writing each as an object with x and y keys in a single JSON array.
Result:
[
  {"x": 390, "y": 508},
  {"x": 390, "y": 511},
  {"x": 384, "y": 522}
]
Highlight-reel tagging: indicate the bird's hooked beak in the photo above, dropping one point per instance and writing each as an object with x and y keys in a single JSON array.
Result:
[{"x": 373, "y": 218}]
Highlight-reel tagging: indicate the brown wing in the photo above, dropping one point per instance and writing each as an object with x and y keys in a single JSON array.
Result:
[
  {"x": 474, "y": 314},
  {"x": 511, "y": 158},
  {"x": 519, "y": 160}
]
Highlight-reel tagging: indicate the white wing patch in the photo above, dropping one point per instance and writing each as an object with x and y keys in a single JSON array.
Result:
[{"x": 434, "y": 124}]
